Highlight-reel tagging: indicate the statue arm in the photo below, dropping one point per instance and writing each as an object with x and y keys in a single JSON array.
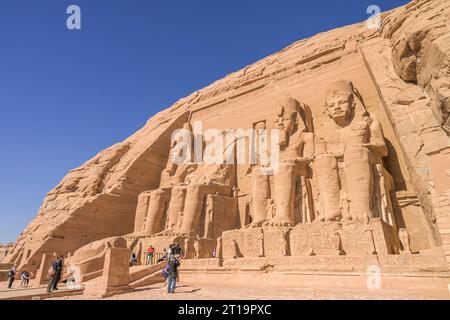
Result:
[
  {"x": 309, "y": 146},
  {"x": 377, "y": 142}
]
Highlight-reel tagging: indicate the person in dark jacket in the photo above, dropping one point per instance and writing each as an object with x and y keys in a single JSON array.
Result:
[
  {"x": 56, "y": 267},
  {"x": 173, "y": 268},
  {"x": 177, "y": 250},
  {"x": 12, "y": 276}
]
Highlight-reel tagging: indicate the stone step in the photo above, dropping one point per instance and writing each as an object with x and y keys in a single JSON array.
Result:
[
  {"x": 92, "y": 275},
  {"x": 137, "y": 273},
  {"x": 153, "y": 278}
]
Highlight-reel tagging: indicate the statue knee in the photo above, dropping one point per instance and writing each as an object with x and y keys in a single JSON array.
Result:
[
  {"x": 324, "y": 164},
  {"x": 356, "y": 154},
  {"x": 194, "y": 189}
]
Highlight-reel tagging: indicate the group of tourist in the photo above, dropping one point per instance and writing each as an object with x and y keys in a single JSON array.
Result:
[
  {"x": 172, "y": 256},
  {"x": 54, "y": 274},
  {"x": 24, "y": 277},
  {"x": 150, "y": 254}
]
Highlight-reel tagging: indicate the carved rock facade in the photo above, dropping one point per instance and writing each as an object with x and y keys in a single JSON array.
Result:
[{"x": 363, "y": 168}]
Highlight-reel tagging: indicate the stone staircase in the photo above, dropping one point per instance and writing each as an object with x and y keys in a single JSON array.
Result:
[{"x": 141, "y": 276}]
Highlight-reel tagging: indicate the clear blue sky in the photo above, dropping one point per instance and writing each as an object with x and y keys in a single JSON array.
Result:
[{"x": 66, "y": 95}]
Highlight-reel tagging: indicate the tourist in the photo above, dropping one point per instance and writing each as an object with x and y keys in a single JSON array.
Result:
[
  {"x": 177, "y": 250},
  {"x": 173, "y": 270},
  {"x": 25, "y": 277},
  {"x": 214, "y": 254},
  {"x": 133, "y": 260},
  {"x": 11, "y": 276},
  {"x": 169, "y": 251},
  {"x": 165, "y": 274},
  {"x": 150, "y": 253},
  {"x": 55, "y": 274},
  {"x": 164, "y": 257}
]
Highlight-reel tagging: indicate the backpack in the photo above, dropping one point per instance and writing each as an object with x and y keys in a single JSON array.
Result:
[
  {"x": 11, "y": 274},
  {"x": 51, "y": 271}
]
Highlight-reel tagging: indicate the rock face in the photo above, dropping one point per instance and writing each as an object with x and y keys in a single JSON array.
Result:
[
  {"x": 4, "y": 250},
  {"x": 419, "y": 36},
  {"x": 363, "y": 126}
]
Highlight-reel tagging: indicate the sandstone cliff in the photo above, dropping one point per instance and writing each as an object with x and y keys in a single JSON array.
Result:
[{"x": 407, "y": 61}]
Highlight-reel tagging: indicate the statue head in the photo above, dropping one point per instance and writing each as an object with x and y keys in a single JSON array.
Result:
[
  {"x": 340, "y": 102},
  {"x": 289, "y": 114},
  {"x": 260, "y": 125},
  {"x": 187, "y": 126}
]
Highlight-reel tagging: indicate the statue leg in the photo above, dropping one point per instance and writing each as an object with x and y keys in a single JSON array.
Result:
[
  {"x": 155, "y": 214},
  {"x": 195, "y": 198},
  {"x": 307, "y": 200},
  {"x": 359, "y": 181},
  {"x": 176, "y": 206},
  {"x": 141, "y": 211},
  {"x": 260, "y": 194},
  {"x": 285, "y": 182},
  {"x": 328, "y": 183}
]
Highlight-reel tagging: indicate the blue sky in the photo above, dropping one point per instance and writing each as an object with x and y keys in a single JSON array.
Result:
[{"x": 66, "y": 95}]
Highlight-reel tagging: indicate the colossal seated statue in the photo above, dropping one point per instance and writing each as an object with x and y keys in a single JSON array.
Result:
[
  {"x": 154, "y": 204},
  {"x": 349, "y": 152},
  {"x": 207, "y": 179},
  {"x": 294, "y": 123},
  {"x": 176, "y": 207}
]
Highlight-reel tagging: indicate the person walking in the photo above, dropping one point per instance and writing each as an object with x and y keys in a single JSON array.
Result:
[
  {"x": 173, "y": 268},
  {"x": 54, "y": 273},
  {"x": 11, "y": 276}
]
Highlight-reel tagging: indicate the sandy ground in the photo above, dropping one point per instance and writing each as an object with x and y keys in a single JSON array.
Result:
[
  {"x": 187, "y": 291},
  {"x": 212, "y": 291}
]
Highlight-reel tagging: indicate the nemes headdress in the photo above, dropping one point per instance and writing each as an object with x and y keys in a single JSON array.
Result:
[{"x": 339, "y": 86}]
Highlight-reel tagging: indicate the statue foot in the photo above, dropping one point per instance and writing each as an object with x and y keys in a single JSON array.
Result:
[
  {"x": 277, "y": 223},
  {"x": 168, "y": 233},
  {"x": 254, "y": 225},
  {"x": 334, "y": 219}
]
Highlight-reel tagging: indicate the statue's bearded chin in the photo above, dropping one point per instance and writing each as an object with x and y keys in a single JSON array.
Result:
[
  {"x": 284, "y": 137},
  {"x": 340, "y": 119}
]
